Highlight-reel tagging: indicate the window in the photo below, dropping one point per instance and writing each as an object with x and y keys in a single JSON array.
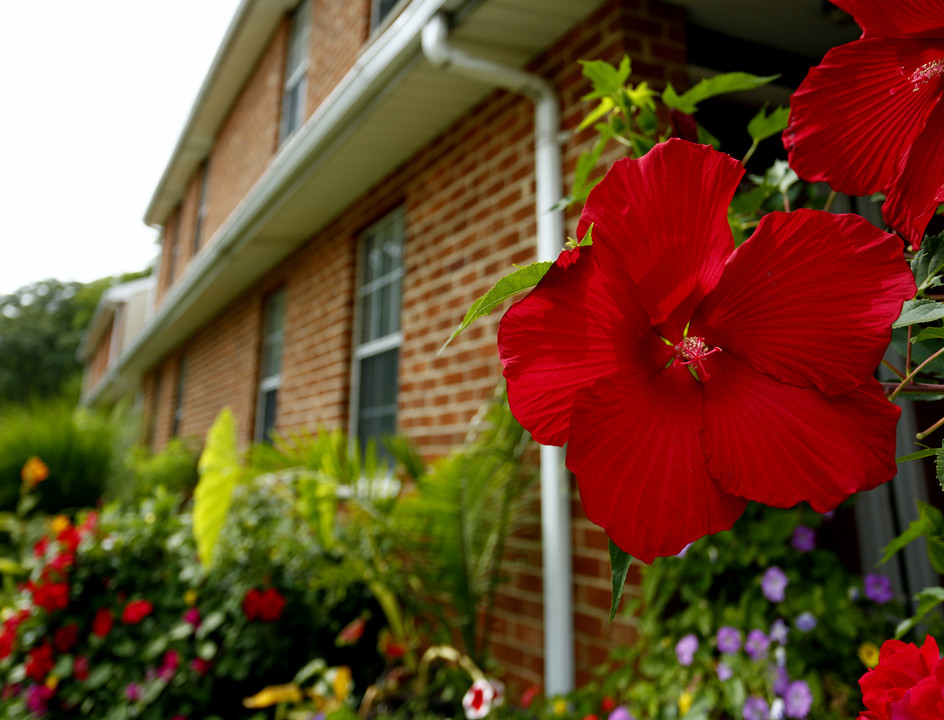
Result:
[
  {"x": 202, "y": 207},
  {"x": 179, "y": 396},
  {"x": 172, "y": 248},
  {"x": 381, "y": 8},
  {"x": 270, "y": 363},
  {"x": 296, "y": 67},
  {"x": 378, "y": 337}
]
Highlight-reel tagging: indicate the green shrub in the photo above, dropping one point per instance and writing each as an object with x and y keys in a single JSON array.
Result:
[
  {"x": 173, "y": 468},
  {"x": 78, "y": 446}
]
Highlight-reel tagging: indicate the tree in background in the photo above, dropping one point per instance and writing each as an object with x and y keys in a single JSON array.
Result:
[{"x": 41, "y": 328}]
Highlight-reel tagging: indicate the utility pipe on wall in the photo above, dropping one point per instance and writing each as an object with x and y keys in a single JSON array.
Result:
[{"x": 555, "y": 496}]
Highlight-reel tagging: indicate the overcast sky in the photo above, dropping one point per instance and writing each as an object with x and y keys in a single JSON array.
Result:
[{"x": 94, "y": 94}]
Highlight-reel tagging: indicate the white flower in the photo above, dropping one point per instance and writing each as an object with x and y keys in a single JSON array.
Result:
[
  {"x": 478, "y": 700},
  {"x": 498, "y": 692},
  {"x": 776, "y": 709}
]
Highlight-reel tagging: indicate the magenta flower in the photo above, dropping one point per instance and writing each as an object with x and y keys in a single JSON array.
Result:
[
  {"x": 685, "y": 649},
  {"x": 133, "y": 692},
  {"x": 774, "y": 584},
  {"x": 878, "y": 588},
  {"x": 804, "y": 538}
]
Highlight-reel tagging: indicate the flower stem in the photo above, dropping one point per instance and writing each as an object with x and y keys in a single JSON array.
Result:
[
  {"x": 922, "y": 435},
  {"x": 895, "y": 370},
  {"x": 749, "y": 153},
  {"x": 917, "y": 388},
  {"x": 829, "y": 201},
  {"x": 908, "y": 351},
  {"x": 914, "y": 372}
]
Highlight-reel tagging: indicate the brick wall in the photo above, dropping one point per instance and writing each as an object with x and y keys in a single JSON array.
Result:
[
  {"x": 338, "y": 32},
  {"x": 469, "y": 202},
  {"x": 97, "y": 365}
]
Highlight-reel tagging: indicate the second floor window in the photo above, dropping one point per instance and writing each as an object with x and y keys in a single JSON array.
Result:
[
  {"x": 382, "y": 8},
  {"x": 201, "y": 207},
  {"x": 296, "y": 68}
]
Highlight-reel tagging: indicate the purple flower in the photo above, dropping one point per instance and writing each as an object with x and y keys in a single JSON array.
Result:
[
  {"x": 37, "y": 699},
  {"x": 683, "y": 552},
  {"x": 724, "y": 672},
  {"x": 797, "y": 700},
  {"x": 878, "y": 588},
  {"x": 781, "y": 680},
  {"x": 133, "y": 692},
  {"x": 774, "y": 583},
  {"x": 756, "y": 644},
  {"x": 755, "y": 708},
  {"x": 778, "y": 631},
  {"x": 804, "y": 538},
  {"x": 805, "y": 621},
  {"x": 729, "y": 640},
  {"x": 621, "y": 713},
  {"x": 685, "y": 649}
]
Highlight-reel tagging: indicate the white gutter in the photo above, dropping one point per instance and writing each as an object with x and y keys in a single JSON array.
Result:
[{"x": 555, "y": 495}]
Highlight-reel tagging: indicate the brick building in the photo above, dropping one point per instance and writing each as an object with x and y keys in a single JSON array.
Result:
[{"x": 338, "y": 198}]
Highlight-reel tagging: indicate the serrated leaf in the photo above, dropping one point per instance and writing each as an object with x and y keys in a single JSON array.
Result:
[
  {"x": 521, "y": 279},
  {"x": 688, "y": 101},
  {"x": 606, "y": 79},
  {"x": 763, "y": 126},
  {"x": 928, "y": 599},
  {"x": 605, "y": 106},
  {"x": 620, "y": 561},
  {"x": 919, "y": 310},
  {"x": 779, "y": 177},
  {"x": 220, "y": 470},
  {"x": 928, "y": 263}
]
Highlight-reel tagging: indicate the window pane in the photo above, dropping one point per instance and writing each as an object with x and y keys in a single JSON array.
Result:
[{"x": 269, "y": 400}]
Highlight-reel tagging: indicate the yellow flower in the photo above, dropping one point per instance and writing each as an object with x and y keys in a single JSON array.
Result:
[
  {"x": 868, "y": 654},
  {"x": 59, "y": 524},
  {"x": 52, "y": 682},
  {"x": 341, "y": 682},
  {"x": 190, "y": 597},
  {"x": 685, "y": 702},
  {"x": 274, "y": 695},
  {"x": 559, "y": 706},
  {"x": 34, "y": 471}
]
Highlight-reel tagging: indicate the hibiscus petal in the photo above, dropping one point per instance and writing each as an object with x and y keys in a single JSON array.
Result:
[
  {"x": 571, "y": 329},
  {"x": 780, "y": 445},
  {"x": 916, "y": 193},
  {"x": 661, "y": 220},
  {"x": 635, "y": 447},
  {"x": 809, "y": 299},
  {"x": 857, "y": 113},
  {"x": 903, "y": 18}
]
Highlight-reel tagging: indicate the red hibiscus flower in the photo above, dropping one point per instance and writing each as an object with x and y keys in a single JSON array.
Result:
[
  {"x": 102, "y": 622},
  {"x": 135, "y": 611},
  {"x": 69, "y": 538},
  {"x": 869, "y": 117},
  {"x": 687, "y": 377},
  {"x": 80, "y": 668},
  {"x": 39, "y": 662},
  {"x": 907, "y": 683},
  {"x": 50, "y": 596}
]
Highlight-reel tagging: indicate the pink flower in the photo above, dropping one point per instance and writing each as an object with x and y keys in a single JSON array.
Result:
[
  {"x": 869, "y": 118},
  {"x": 192, "y": 616},
  {"x": 675, "y": 367}
]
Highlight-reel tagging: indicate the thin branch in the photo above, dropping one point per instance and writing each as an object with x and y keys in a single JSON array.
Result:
[
  {"x": 922, "y": 435},
  {"x": 895, "y": 370},
  {"x": 914, "y": 372}
]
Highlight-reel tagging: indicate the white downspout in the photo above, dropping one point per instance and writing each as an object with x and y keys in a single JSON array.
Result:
[{"x": 555, "y": 496}]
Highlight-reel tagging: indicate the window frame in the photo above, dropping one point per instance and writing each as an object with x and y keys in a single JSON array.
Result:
[
  {"x": 362, "y": 350},
  {"x": 202, "y": 207},
  {"x": 295, "y": 78},
  {"x": 267, "y": 383},
  {"x": 179, "y": 389}
]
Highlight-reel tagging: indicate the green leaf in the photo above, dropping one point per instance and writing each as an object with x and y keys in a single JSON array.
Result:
[
  {"x": 931, "y": 333},
  {"x": 220, "y": 470},
  {"x": 606, "y": 79},
  {"x": 8, "y": 566},
  {"x": 522, "y": 278},
  {"x": 927, "y": 452},
  {"x": 688, "y": 101},
  {"x": 939, "y": 466},
  {"x": 916, "y": 529},
  {"x": 928, "y": 599},
  {"x": 763, "y": 126},
  {"x": 919, "y": 310},
  {"x": 928, "y": 263},
  {"x": 779, "y": 177},
  {"x": 604, "y": 107},
  {"x": 620, "y": 561}
]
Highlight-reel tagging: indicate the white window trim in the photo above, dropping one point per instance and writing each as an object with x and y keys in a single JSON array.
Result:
[
  {"x": 361, "y": 351},
  {"x": 296, "y": 77},
  {"x": 267, "y": 383}
]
